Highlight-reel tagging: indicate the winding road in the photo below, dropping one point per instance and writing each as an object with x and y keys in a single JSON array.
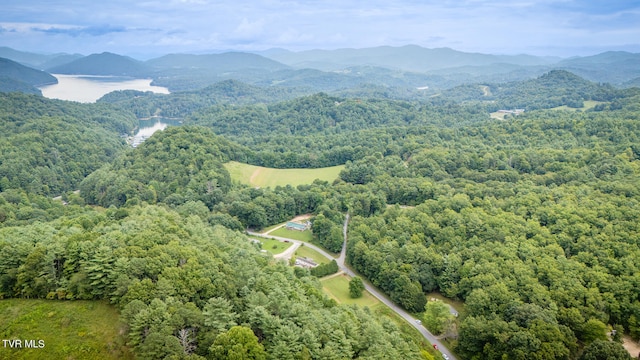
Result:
[{"x": 370, "y": 288}]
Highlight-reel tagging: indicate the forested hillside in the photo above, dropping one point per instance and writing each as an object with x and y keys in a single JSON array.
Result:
[
  {"x": 186, "y": 289},
  {"x": 531, "y": 221},
  {"x": 555, "y": 88},
  {"x": 49, "y": 146},
  {"x": 17, "y": 77}
]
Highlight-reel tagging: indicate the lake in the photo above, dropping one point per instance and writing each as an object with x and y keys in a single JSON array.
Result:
[
  {"x": 89, "y": 88},
  {"x": 147, "y": 127}
]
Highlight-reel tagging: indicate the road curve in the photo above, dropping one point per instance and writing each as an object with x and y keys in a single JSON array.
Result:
[
  {"x": 298, "y": 242},
  {"x": 372, "y": 290},
  {"x": 375, "y": 292}
]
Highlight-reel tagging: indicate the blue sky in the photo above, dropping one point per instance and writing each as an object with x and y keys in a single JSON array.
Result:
[{"x": 155, "y": 27}]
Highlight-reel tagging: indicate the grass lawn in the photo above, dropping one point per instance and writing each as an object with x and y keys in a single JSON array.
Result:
[
  {"x": 587, "y": 104},
  {"x": 69, "y": 329},
  {"x": 306, "y": 235},
  {"x": 305, "y": 251},
  {"x": 457, "y": 304},
  {"x": 337, "y": 287},
  {"x": 274, "y": 246},
  {"x": 269, "y": 177}
]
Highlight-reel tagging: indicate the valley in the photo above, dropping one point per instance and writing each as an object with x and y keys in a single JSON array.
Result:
[{"x": 511, "y": 195}]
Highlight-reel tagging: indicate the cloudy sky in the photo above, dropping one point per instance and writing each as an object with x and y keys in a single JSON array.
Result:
[{"x": 153, "y": 27}]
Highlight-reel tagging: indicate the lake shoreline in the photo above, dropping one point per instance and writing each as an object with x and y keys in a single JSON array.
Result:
[{"x": 86, "y": 88}]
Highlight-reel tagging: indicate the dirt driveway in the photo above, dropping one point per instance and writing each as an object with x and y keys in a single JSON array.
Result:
[{"x": 632, "y": 347}]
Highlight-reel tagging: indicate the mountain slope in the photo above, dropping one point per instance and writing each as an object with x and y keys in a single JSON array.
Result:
[
  {"x": 20, "y": 78},
  {"x": 13, "y": 70},
  {"x": 555, "y": 88},
  {"x": 230, "y": 61},
  {"x": 615, "y": 67},
  {"x": 103, "y": 64}
]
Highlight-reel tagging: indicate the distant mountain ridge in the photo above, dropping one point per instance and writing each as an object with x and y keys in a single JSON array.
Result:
[
  {"x": 409, "y": 58},
  {"x": 105, "y": 63},
  {"x": 403, "y": 68},
  {"x": 229, "y": 61},
  {"x": 616, "y": 67},
  {"x": 36, "y": 61}
]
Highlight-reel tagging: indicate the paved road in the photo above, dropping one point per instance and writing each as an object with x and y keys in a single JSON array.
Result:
[
  {"x": 295, "y": 242},
  {"x": 287, "y": 254},
  {"x": 372, "y": 290}
]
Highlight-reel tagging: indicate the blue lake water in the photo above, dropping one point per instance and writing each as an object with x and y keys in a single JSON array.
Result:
[
  {"x": 146, "y": 128},
  {"x": 90, "y": 88}
]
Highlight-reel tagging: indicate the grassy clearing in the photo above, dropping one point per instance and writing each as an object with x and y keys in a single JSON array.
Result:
[
  {"x": 269, "y": 177},
  {"x": 337, "y": 287},
  {"x": 274, "y": 247},
  {"x": 497, "y": 115},
  {"x": 69, "y": 329},
  {"x": 588, "y": 104},
  {"x": 305, "y": 251},
  {"x": 306, "y": 235},
  {"x": 456, "y": 304}
]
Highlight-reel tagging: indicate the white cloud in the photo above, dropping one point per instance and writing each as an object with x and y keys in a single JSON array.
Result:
[
  {"x": 472, "y": 25},
  {"x": 248, "y": 29}
]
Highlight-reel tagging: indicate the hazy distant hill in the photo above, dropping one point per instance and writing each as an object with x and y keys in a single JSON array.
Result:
[
  {"x": 409, "y": 58},
  {"x": 230, "y": 61},
  {"x": 632, "y": 83},
  {"x": 103, "y": 64},
  {"x": 614, "y": 67},
  {"x": 59, "y": 60},
  {"x": 37, "y": 61},
  {"x": 17, "y": 77}
]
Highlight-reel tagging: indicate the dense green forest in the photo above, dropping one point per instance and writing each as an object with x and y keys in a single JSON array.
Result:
[
  {"x": 531, "y": 221},
  {"x": 189, "y": 290},
  {"x": 48, "y": 147}
]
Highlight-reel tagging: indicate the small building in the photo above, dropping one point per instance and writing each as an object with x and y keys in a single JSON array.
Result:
[
  {"x": 512, "y": 112},
  {"x": 305, "y": 263},
  {"x": 297, "y": 226}
]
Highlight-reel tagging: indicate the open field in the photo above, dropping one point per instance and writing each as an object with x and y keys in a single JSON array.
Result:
[
  {"x": 68, "y": 330},
  {"x": 588, "y": 104},
  {"x": 268, "y": 177},
  {"x": 456, "y": 304},
  {"x": 305, "y": 251},
  {"x": 306, "y": 235},
  {"x": 337, "y": 287},
  {"x": 274, "y": 246}
]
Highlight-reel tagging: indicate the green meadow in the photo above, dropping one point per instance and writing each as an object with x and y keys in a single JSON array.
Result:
[
  {"x": 337, "y": 287},
  {"x": 306, "y": 235},
  {"x": 61, "y": 330},
  {"x": 305, "y": 251},
  {"x": 268, "y": 177},
  {"x": 274, "y": 247}
]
